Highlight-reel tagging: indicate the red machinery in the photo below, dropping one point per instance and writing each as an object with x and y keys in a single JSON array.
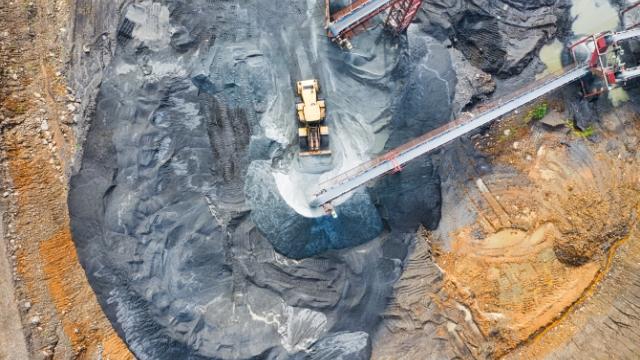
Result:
[
  {"x": 402, "y": 14},
  {"x": 605, "y": 55},
  {"x": 352, "y": 19},
  {"x": 605, "y": 60}
]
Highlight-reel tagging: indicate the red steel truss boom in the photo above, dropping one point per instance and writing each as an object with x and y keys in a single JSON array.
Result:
[{"x": 344, "y": 24}]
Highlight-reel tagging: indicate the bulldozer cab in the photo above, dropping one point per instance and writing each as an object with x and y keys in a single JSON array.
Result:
[
  {"x": 311, "y": 109},
  {"x": 313, "y": 134}
]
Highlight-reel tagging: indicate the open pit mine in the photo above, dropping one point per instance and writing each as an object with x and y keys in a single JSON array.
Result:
[{"x": 319, "y": 179}]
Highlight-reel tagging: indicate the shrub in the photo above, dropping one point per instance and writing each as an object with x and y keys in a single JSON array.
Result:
[
  {"x": 586, "y": 133},
  {"x": 537, "y": 113}
]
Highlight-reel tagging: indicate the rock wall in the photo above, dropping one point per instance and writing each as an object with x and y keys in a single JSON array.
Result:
[{"x": 500, "y": 37}]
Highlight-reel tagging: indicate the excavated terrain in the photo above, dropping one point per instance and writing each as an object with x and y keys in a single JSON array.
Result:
[
  {"x": 153, "y": 202},
  {"x": 60, "y": 315},
  {"x": 527, "y": 246}
]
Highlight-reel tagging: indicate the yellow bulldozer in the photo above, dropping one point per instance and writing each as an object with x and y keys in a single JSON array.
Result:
[{"x": 313, "y": 134}]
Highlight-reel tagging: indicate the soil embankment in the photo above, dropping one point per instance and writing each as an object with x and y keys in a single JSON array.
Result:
[
  {"x": 60, "y": 315},
  {"x": 529, "y": 246}
]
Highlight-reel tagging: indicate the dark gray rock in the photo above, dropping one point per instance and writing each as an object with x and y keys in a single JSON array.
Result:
[
  {"x": 417, "y": 188},
  {"x": 583, "y": 113},
  {"x": 473, "y": 85},
  {"x": 500, "y": 37},
  {"x": 426, "y": 99},
  {"x": 423, "y": 104},
  {"x": 554, "y": 119}
]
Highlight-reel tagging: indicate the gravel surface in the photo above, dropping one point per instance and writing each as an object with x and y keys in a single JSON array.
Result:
[{"x": 194, "y": 243}]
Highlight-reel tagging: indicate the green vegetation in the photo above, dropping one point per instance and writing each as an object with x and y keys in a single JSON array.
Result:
[
  {"x": 537, "y": 113},
  {"x": 586, "y": 133}
]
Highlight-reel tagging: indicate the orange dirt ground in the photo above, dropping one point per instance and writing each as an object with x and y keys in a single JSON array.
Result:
[
  {"x": 70, "y": 323},
  {"x": 539, "y": 246}
]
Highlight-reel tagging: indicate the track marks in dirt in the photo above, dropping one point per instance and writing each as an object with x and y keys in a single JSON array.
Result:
[{"x": 585, "y": 195}]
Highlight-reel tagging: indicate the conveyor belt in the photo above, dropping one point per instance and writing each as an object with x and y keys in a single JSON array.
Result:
[
  {"x": 356, "y": 17},
  {"x": 626, "y": 35},
  {"x": 368, "y": 171},
  {"x": 630, "y": 74}
]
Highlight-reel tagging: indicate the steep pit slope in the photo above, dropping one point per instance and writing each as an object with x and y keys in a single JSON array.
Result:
[
  {"x": 61, "y": 317},
  {"x": 499, "y": 37}
]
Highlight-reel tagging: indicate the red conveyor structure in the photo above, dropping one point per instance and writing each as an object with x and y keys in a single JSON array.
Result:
[{"x": 348, "y": 21}]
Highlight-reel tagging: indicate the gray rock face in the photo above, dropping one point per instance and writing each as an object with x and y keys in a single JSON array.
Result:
[
  {"x": 473, "y": 84},
  {"x": 425, "y": 102},
  {"x": 500, "y": 37},
  {"x": 584, "y": 114}
]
